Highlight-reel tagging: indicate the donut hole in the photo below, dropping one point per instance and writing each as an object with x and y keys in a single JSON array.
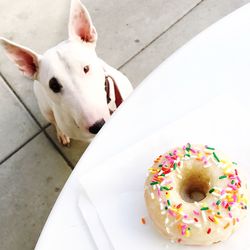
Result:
[
  {"x": 195, "y": 185},
  {"x": 196, "y": 193}
]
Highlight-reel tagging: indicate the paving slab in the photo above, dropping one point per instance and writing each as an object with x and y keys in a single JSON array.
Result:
[
  {"x": 38, "y": 25},
  {"x": 30, "y": 182},
  {"x": 124, "y": 28},
  {"x": 208, "y": 12},
  {"x": 16, "y": 125},
  {"x": 72, "y": 153}
]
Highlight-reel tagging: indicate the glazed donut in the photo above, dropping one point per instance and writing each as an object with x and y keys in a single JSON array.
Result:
[{"x": 195, "y": 196}]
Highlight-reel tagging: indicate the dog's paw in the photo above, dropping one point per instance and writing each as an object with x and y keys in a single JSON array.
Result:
[{"x": 63, "y": 139}]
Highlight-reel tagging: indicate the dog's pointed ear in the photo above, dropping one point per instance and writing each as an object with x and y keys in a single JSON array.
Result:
[
  {"x": 25, "y": 59},
  {"x": 80, "y": 23}
]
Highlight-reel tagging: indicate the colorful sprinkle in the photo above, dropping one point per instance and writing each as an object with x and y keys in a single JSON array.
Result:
[
  {"x": 143, "y": 221},
  {"x": 165, "y": 188},
  {"x": 234, "y": 221},
  {"x": 196, "y": 212},
  {"x": 216, "y": 157},
  {"x": 154, "y": 183},
  {"x": 210, "y": 218},
  {"x": 209, "y": 230},
  {"x": 175, "y": 165},
  {"x": 218, "y": 202},
  {"x": 204, "y": 208},
  {"x": 222, "y": 177},
  {"x": 204, "y": 217},
  {"x": 179, "y": 206},
  {"x": 211, "y": 190}
]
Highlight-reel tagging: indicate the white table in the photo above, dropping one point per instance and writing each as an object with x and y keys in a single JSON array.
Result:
[{"x": 215, "y": 61}]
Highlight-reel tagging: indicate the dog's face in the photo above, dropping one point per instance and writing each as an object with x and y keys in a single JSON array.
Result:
[
  {"x": 70, "y": 73},
  {"x": 74, "y": 80}
]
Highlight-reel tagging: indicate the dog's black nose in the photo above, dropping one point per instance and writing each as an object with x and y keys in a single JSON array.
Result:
[{"x": 95, "y": 128}]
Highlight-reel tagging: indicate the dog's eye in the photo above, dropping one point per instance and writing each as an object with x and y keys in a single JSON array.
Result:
[
  {"x": 86, "y": 69},
  {"x": 54, "y": 85}
]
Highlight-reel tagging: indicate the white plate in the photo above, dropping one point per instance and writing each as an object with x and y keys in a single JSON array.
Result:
[{"x": 112, "y": 202}]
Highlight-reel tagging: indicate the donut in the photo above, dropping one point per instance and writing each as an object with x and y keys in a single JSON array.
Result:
[{"x": 195, "y": 195}]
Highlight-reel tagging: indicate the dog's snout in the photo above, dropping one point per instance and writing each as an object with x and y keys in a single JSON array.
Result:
[{"x": 95, "y": 128}]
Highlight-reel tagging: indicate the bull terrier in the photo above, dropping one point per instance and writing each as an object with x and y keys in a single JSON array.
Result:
[{"x": 76, "y": 90}]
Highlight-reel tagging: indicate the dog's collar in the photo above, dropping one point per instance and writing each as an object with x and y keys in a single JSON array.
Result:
[{"x": 117, "y": 95}]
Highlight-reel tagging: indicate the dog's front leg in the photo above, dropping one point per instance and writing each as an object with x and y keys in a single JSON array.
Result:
[
  {"x": 46, "y": 109},
  {"x": 62, "y": 138}
]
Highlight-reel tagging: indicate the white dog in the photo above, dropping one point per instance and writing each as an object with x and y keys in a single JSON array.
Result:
[{"x": 76, "y": 91}]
